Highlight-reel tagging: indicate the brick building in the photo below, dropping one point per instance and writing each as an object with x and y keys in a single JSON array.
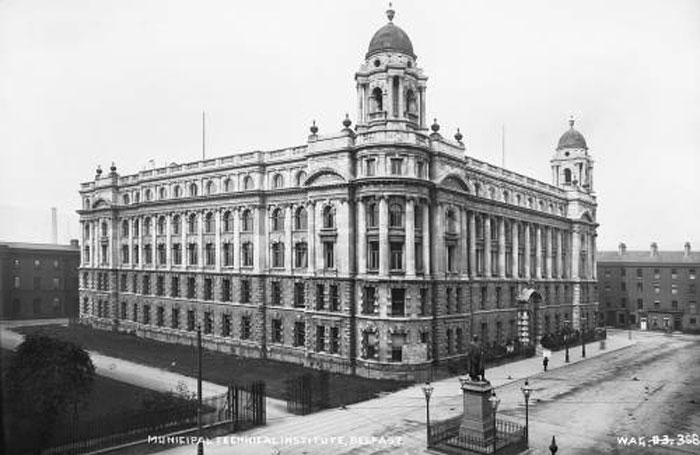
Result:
[
  {"x": 38, "y": 280},
  {"x": 651, "y": 290},
  {"x": 378, "y": 249}
]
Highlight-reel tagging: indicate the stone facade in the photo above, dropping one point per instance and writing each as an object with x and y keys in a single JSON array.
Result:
[{"x": 377, "y": 250}]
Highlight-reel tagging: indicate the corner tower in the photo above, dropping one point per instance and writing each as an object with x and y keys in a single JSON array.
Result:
[
  {"x": 572, "y": 166},
  {"x": 390, "y": 86}
]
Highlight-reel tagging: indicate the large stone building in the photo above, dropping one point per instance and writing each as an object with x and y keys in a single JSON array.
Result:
[
  {"x": 38, "y": 280},
  {"x": 376, "y": 250},
  {"x": 651, "y": 290}
]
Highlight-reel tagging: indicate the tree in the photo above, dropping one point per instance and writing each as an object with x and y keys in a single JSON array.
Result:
[{"x": 47, "y": 378}]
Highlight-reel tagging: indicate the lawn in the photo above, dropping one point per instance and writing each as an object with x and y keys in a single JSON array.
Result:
[{"x": 217, "y": 367}]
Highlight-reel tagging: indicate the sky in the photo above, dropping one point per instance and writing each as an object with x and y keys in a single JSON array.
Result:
[{"x": 89, "y": 82}]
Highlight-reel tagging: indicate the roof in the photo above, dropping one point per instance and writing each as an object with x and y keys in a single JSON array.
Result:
[
  {"x": 645, "y": 257},
  {"x": 390, "y": 38},
  {"x": 572, "y": 139},
  {"x": 39, "y": 246}
]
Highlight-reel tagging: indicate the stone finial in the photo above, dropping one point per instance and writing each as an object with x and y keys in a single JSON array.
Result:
[
  {"x": 458, "y": 136},
  {"x": 99, "y": 170},
  {"x": 390, "y": 13},
  {"x": 435, "y": 126},
  {"x": 113, "y": 167},
  {"x": 313, "y": 128},
  {"x": 571, "y": 121},
  {"x": 347, "y": 122}
]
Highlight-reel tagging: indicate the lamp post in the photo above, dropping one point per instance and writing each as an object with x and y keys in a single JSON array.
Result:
[
  {"x": 583, "y": 339},
  {"x": 566, "y": 339},
  {"x": 527, "y": 390},
  {"x": 494, "y": 407},
  {"x": 427, "y": 391},
  {"x": 553, "y": 446}
]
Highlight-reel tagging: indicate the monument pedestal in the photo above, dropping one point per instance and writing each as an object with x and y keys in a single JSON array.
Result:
[{"x": 477, "y": 419}]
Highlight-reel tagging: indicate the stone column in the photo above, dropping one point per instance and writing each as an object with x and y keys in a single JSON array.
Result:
[
  {"x": 342, "y": 246},
  {"x": 217, "y": 240},
  {"x": 538, "y": 251},
  {"x": 527, "y": 252},
  {"x": 548, "y": 245},
  {"x": 560, "y": 249},
  {"x": 288, "y": 242},
  {"x": 426, "y": 238},
  {"x": 487, "y": 246},
  {"x": 421, "y": 92},
  {"x": 200, "y": 240},
  {"x": 168, "y": 241},
  {"x": 575, "y": 253},
  {"x": 383, "y": 236},
  {"x": 258, "y": 229},
  {"x": 131, "y": 242},
  {"x": 516, "y": 247},
  {"x": 410, "y": 245},
  {"x": 360, "y": 117},
  {"x": 236, "y": 245},
  {"x": 311, "y": 229},
  {"x": 320, "y": 263},
  {"x": 361, "y": 237},
  {"x": 501, "y": 247},
  {"x": 183, "y": 236},
  {"x": 593, "y": 253},
  {"x": 472, "y": 244}
]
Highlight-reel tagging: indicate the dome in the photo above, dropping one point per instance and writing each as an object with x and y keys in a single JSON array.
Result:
[
  {"x": 390, "y": 38},
  {"x": 572, "y": 139}
]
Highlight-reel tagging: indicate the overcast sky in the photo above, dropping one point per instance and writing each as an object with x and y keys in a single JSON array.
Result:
[{"x": 88, "y": 82}]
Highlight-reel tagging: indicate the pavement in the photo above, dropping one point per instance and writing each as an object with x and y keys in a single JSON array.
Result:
[{"x": 394, "y": 423}]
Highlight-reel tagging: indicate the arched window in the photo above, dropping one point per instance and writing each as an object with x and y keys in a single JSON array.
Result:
[
  {"x": 86, "y": 205},
  {"x": 567, "y": 175},
  {"x": 328, "y": 217},
  {"x": 396, "y": 215},
  {"x": 530, "y": 202},
  {"x": 147, "y": 226},
  {"x": 300, "y": 219},
  {"x": 126, "y": 199},
  {"x": 492, "y": 193},
  {"x": 542, "y": 206},
  {"x": 277, "y": 181},
  {"x": 137, "y": 197},
  {"x": 125, "y": 228},
  {"x": 518, "y": 199},
  {"x": 178, "y": 191},
  {"x": 209, "y": 223},
  {"x": 228, "y": 221},
  {"x": 505, "y": 196},
  {"x": 278, "y": 220},
  {"x": 247, "y": 221},
  {"x": 193, "y": 190},
  {"x": 248, "y": 183},
  {"x": 372, "y": 214},
  {"x": 176, "y": 224},
  {"x": 211, "y": 188},
  {"x": 227, "y": 185},
  {"x": 477, "y": 189},
  {"x": 411, "y": 102},
  {"x": 149, "y": 194},
  {"x": 192, "y": 224},
  {"x": 451, "y": 221},
  {"x": 161, "y": 193},
  {"x": 161, "y": 225},
  {"x": 377, "y": 100},
  {"x": 87, "y": 231},
  {"x": 301, "y": 178},
  {"x": 136, "y": 229}
]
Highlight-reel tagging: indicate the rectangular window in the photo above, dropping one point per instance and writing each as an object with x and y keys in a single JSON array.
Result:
[
  {"x": 424, "y": 302},
  {"x": 161, "y": 254},
  {"x": 278, "y": 255},
  {"x": 226, "y": 290},
  {"x": 277, "y": 331},
  {"x": 329, "y": 255},
  {"x": 208, "y": 289},
  {"x": 135, "y": 313},
  {"x": 146, "y": 314},
  {"x": 396, "y": 256},
  {"x": 418, "y": 256},
  {"x": 175, "y": 318},
  {"x": 448, "y": 300},
  {"x": 640, "y": 273},
  {"x": 191, "y": 287},
  {"x": 190, "y": 320},
  {"x": 192, "y": 254},
  {"x": 299, "y": 295},
  {"x": 299, "y": 333},
  {"x": 334, "y": 298},
  {"x": 368, "y": 297},
  {"x": 226, "y": 325},
  {"x": 228, "y": 255},
  {"x": 276, "y": 297},
  {"x": 247, "y": 254},
  {"x": 122, "y": 282},
  {"x": 125, "y": 254},
  {"x": 370, "y": 167},
  {"x": 397, "y": 342},
  {"x": 640, "y": 287},
  {"x": 245, "y": 291},
  {"x": 398, "y": 302},
  {"x": 691, "y": 274},
  {"x": 146, "y": 284},
  {"x": 300, "y": 255},
  {"x": 245, "y": 327},
  {"x": 160, "y": 285},
  {"x": 640, "y": 304},
  {"x": 160, "y": 316},
  {"x": 210, "y": 256},
  {"x": 657, "y": 289},
  {"x": 148, "y": 254},
  {"x": 420, "y": 169},
  {"x": 396, "y": 166},
  {"x": 373, "y": 256},
  {"x": 482, "y": 301},
  {"x": 335, "y": 340},
  {"x": 208, "y": 322},
  {"x": 175, "y": 286},
  {"x": 674, "y": 274},
  {"x": 657, "y": 274},
  {"x": 122, "y": 311},
  {"x": 320, "y": 338},
  {"x": 320, "y": 297},
  {"x": 674, "y": 288},
  {"x": 177, "y": 254},
  {"x": 674, "y": 304},
  {"x": 498, "y": 297}
]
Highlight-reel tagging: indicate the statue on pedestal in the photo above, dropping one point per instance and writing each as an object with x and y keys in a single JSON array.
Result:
[{"x": 475, "y": 360}]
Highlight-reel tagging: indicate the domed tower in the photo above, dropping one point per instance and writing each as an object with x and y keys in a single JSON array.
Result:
[
  {"x": 390, "y": 87},
  {"x": 572, "y": 166}
]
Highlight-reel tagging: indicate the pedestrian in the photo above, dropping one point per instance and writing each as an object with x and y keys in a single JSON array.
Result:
[{"x": 545, "y": 362}]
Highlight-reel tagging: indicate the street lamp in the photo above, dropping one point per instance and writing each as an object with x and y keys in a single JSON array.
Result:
[
  {"x": 527, "y": 390},
  {"x": 494, "y": 407},
  {"x": 583, "y": 339},
  {"x": 427, "y": 391},
  {"x": 566, "y": 339}
]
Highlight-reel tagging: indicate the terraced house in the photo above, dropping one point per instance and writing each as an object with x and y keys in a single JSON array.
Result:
[{"x": 376, "y": 250}]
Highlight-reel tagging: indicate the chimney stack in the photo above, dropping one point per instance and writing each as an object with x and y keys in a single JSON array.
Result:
[
  {"x": 654, "y": 249},
  {"x": 74, "y": 243},
  {"x": 686, "y": 247},
  {"x": 54, "y": 226},
  {"x": 622, "y": 249}
]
